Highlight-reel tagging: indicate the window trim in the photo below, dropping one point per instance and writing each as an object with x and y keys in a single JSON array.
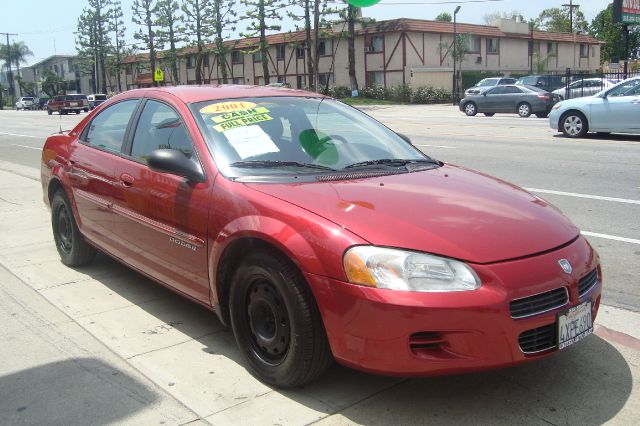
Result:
[{"x": 127, "y": 133}]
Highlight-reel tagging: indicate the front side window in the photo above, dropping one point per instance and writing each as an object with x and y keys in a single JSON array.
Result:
[
  {"x": 292, "y": 136},
  {"x": 628, "y": 88},
  {"x": 160, "y": 127},
  {"x": 107, "y": 130}
]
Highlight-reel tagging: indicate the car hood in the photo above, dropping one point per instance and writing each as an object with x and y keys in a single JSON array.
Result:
[{"x": 450, "y": 211}]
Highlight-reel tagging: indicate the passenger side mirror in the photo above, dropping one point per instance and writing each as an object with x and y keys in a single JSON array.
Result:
[
  {"x": 405, "y": 138},
  {"x": 175, "y": 162}
]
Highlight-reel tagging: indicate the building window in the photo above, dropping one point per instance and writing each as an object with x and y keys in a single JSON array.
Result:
[
  {"x": 55, "y": 68},
  {"x": 205, "y": 61},
  {"x": 584, "y": 50},
  {"x": 280, "y": 79},
  {"x": 593, "y": 51},
  {"x": 236, "y": 57},
  {"x": 300, "y": 83},
  {"x": 191, "y": 61},
  {"x": 324, "y": 48},
  {"x": 238, "y": 80},
  {"x": 69, "y": 64},
  {"x": 324, "y": 79},
  {"x": 552, "y": 49},
  {"x": 257, "y": 57},
  {"x": 474, "y": 44},
  {"x": 374, "y": 43},
  {"x": 299, "y": 52},
  {"x": 375, "y": 78},
  {"x": 129, "y": 69},
  {"x": 280, "y": 49},
  {"x": 493, "y": 45}
]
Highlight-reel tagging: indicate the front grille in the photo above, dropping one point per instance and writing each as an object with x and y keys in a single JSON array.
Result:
[
  {"x": 539, "y": 303},
  {"x": 538, "y": 340},
  {"x": 587, "y": 282}
]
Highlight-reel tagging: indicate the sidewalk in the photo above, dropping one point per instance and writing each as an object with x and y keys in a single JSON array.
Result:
[{"x": 117, "y": 348}]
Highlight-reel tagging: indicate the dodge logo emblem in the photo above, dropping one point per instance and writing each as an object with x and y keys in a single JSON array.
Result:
[{"x": 565, "y": 265}]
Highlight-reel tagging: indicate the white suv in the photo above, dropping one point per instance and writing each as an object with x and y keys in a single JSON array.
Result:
[{"x": 25, "y": 102}]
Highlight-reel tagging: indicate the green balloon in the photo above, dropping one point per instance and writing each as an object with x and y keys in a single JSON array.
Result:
[{"x": 362, "y": 3}]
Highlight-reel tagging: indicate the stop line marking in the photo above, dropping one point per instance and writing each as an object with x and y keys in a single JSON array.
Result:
[
  {"x": 22, "y": 136},
  {"x": 592, "y": 197},
  {"x": 436, "y": 146}
]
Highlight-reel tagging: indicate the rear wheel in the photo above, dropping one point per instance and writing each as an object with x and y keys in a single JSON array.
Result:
[
  {"x": 524, "y": 110},
  {"x": 489, "y": 114},
  {"x": 276, "y": 322},
  {"x": 71, "y": 245},
  {"x": 574, "y": 124},
  {"x": 470, "y": 109},
  {"x": 49, "y": 111}
]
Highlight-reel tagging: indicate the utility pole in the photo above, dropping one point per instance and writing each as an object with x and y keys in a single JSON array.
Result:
[
  {"x": 12, "y": 89},
  {"x": 571, "y": 6}
]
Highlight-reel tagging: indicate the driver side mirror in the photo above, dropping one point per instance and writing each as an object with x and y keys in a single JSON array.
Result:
[
  {"x": 484, "y": 93},
  {"x": 175, "y": 162},
  {"x": 405, "y": 138}
]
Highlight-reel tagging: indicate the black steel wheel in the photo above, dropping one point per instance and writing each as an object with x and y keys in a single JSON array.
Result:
[
  {"x": 71, "y": 245},
  {"x": 276, "y": 322}
]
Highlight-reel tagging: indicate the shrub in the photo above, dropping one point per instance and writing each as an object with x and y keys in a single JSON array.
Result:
[
  {"x": 428, "y": 95},
  {"x": 375, "y": 92},
  {"x": 401, "y": 93}
]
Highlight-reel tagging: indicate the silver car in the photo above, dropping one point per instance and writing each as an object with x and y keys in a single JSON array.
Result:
[
  {"x": 613, "y": 110},
  {"x": 583, "y": 87},
  {"x": 25, "y": 102}
]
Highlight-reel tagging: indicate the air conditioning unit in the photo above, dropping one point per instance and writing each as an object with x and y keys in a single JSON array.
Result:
[{"x": 479, "y": 60}]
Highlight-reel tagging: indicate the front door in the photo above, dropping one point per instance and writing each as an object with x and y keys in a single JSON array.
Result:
[
  {"x": 162, "y": 219},
  {"x": 619, "y": 111}
]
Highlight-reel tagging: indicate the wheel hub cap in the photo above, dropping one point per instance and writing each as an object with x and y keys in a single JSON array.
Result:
[{"x": 573, "y": 125}]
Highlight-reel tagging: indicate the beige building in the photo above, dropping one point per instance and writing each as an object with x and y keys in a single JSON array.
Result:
[
  {"x": 65, "y": 67},
  {"x": 388, "y": 53}
]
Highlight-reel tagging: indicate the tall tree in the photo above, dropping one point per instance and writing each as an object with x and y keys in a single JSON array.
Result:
[
  {"x": 118, "y": 29},
  {"x": 169, "y": 30},
  {"x": 444, "y": 17},
  {"x": 17, "y": 51},
  {"x": 92, "y": 40},
  {"x": 144, "y": 14},
  {"x": 558, "y": 20},
  {"x": 603, "y": 28},
  {"x": 259, "y": 14},
  {"x": 198, "y": 17},
  {"x": 225, "y": 19}
]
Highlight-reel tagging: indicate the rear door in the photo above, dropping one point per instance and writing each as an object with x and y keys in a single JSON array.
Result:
[
  {"x": 162, "y": 218},
  {"x": 494, "y": 100},
  {"x": 91, "y": 170}
]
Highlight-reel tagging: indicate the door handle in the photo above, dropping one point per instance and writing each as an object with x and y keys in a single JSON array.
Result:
[{"x": 126, "y": 180}]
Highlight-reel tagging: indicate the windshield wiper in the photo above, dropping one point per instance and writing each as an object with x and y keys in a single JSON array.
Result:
[
  {"x": 278, "y": 163},
  {"x": 392, "y": 162}
]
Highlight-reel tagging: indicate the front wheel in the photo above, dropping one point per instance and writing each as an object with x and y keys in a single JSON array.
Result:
[
  {"x": 71, "y": 245},
  {"x": 470, "y": 109},
  {"x": 574, "y": 124},
  {"x": 276, "y": 322},
  {"x": 524, "y": 110}
]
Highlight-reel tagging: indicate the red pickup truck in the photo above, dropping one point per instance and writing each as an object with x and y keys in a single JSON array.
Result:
[{"x": 68, "y": 103}]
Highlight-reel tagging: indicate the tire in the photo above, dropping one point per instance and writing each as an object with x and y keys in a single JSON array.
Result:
[
  {"x": 489, "y": 114},
  {"x": 524, "y": 110},
  {"x": 574, "y": 124},
  {"x": 276, "y": 322},
  {"x": 542, "y": 114},
  {"x": 49, "y": 111},
  {"x": 77, "y": 111},
  {"x": 470, "y": 109},
  {"x": 85, "y": 110},
  {"x": 71, "y": 245}
]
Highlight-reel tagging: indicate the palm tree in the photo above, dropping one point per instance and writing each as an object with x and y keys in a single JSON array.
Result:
[{"x": 18, "y": 53}]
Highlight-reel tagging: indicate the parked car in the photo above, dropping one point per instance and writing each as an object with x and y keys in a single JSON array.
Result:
[
  {"x": 95, "y": 100},
  {"x": 616, "y": 109},
  {"x": 487, "y": 83},
  {"x": 524, "y": 100},
  {"x": 64, "y": 104},
  {"x": 317, "y": 233},
  {"x": 25, "y": 102},
  {"x": 546, "y": 82},
  {"x": 583, "y": 87}
]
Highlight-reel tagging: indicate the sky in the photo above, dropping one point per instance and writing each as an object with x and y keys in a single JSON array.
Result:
[{"x": 47, "y": 27}]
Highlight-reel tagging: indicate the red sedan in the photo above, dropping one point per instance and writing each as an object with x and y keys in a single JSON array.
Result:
[{"x": 317, "y": 233}]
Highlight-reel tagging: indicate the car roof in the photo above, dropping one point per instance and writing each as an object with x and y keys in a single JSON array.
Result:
[{"x": 194, "y": 93}]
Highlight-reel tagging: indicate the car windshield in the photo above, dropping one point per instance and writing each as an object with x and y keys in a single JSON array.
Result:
[
  {"x": 488, "y": 82},
  {"x": 528, "y": 80},
  {"x": 296, "y": 135},
  {"x": 100, "y": 97}
]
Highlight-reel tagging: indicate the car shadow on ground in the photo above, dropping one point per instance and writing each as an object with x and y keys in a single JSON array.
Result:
[
  {"x": 588, "y": 383},
  {"x": 73, "y": 391},
  {"x": 617, "y": 137}
]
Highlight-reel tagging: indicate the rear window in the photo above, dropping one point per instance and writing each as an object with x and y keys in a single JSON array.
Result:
[
  {"x": 79, "y": 97},
  {"x": 100, "y": 97},
  {"x": 27, "y": 99}
]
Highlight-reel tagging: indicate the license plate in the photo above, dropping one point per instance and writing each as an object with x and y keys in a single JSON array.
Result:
[
  {"x": 574, "y": 324},
  {"x": 73, "y": 104}
]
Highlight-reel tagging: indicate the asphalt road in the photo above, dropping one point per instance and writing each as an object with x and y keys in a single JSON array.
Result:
[{"x": 595, "y": 181}]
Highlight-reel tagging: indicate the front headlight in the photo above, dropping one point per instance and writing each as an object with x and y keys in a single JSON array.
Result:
[{"x": 407, "y": 270}]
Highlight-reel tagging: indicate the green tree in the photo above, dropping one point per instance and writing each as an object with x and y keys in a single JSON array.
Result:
[
  {"x": 260, "y": 14},
  {"x": 444, "y": 17},
  {"x": 169, "y": 20},
  {"x": 198, "y": 20},
  {"x": 52, "y": 84},
  {"x": 17, "y": 51},
  {"x": 603, "y": 28},
  {"x": 558, "y": 20},
  {"x": 118, "y": 29},
  {"x": 144, "y": 14},
  {"x": 225, "y": 19},
  {"x": 93, "y": 42}
]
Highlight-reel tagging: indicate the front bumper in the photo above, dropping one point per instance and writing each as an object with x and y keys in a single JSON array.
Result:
[
  {"x": 411, "y": 333},
  {"x": 554, "y": 119}
]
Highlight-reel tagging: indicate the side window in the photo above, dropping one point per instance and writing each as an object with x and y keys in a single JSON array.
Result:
[
  {"x": 160, "y": 127},
  {"x": 498, "y": 90},
  {"x": 108, "y": 128},
  {"x": 512, "y": 89}
]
